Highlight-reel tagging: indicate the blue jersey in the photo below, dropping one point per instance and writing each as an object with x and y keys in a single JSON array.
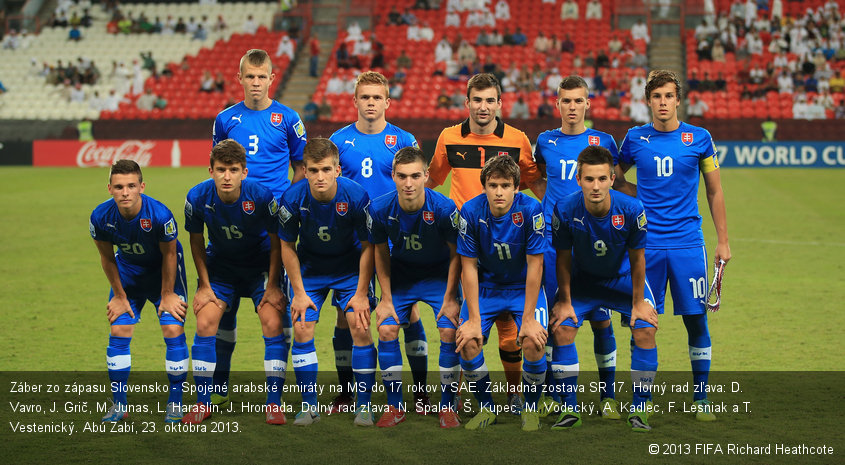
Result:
[
  {"x": 667, "y": 180},
  {"x": 137, "y": 240},
  {"x": 272, "y": 137},
  {"x": 418, "y": 240},
  {"x": 237, "y": 232},
  {"x": 599, "y": 245},
  {"x": 501, "y": 244},
  {"x": 328, "y": 232},
  {"x": 368, "y": 158},
  {"x": 559, "y": 152}
]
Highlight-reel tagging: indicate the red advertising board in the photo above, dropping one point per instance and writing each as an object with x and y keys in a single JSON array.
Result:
[{"x": 147, "y": 152}]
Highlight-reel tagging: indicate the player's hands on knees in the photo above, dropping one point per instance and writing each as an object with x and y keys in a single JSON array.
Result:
[
  {"x": 205, "y": 296},
  {"x": 643, "y": 311},
  {"x": 466, "y": 333},
  {"x": 118, "y": 306},
  {"x": 723, "y": 252},
  {"x": 385, "y": 310},
  {"x": 561, "y": 312},
  {"x": 174, "y": 305},
  {"x": 298, "y": 308},
  {"x": 450, "y": 309},
  {"x": 532, "y": 333},
  {"x": 273, "y": 296},
  {"x": 360, "y": 305}
]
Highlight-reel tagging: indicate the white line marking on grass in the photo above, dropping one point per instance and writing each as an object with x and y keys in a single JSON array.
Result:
[{"x": 777, "y": 241}]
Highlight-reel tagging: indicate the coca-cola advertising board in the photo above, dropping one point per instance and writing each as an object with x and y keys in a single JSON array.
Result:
[{"x": 102, "y": 153}]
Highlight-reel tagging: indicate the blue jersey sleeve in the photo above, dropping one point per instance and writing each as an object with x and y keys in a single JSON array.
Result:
[
  {"x": 706, "y": 146},
  {"x": 636, "y": 216},
  {"x": 467, "y": 235},
  {"x": 296, "y": 136},
  {"x": 610, "y": 145},
  {"x": 194, "y": 213},
  {"x": 561, "y": 235},
  {"x": 361, "y": 217},
  {"x": 375, "y": 223},
  {"x": 270, "y": 209},
  {"x": 96, "y": 228},
  {"x": 624, "y": 154},
  {"x": 450, "y": 221},
  {"x": 289, "y": 217},
  {"x": 218, "y": 132},
  {"x": 167, "y": 225},
  {"x": 536, "y": 240}
]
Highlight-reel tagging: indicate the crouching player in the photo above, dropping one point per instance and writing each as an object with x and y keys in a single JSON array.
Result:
[
  {"x": 242, "y": 259},
  {"x": 148, "y": 265},
  {"x": 600, "y": 239},
  {"x": 329, "y": 216},
  {"x": 501, "y": 245},
  {"x": 414, "y": 231}
]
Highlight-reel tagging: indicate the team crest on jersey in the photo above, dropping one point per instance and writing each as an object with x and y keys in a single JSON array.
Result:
[
  {"x": 390, "y": 141},
  {"x": 91, "y": 229},
  {"x": 641, "y": 221},
  {"x": 189, "y": 209},
  {"x": 284, "y": 214},
  {"x": 593, "y": 140},
  {"x": 517, "y": 218},
  {"x": 275, "y": 119},
  {"x": 686, "y": 138},
  {"x": 539, "y": 223},
  {"x": 428, "y": 217},
  {"x": 617, "y": 221},
  {"x": 341, "y": 208},
  {"x": 555, "y": 222},
  {"x": 456, "y": 219},
  {"x": 248, "y": 206},
  {"x": 146, "y": 224},
  {"x": 274, "y": 207},
  {"x": 503, "y": 153},
  {"x": 299, "y": 128},
  {"x": 170, "y": 227}
]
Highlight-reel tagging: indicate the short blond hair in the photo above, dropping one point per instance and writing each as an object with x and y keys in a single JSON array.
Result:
[{"x": 372, "y": 78}]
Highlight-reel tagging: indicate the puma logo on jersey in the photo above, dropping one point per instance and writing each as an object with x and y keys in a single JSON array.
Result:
[
  {"x": 579, "y": 220},
  {"x": 109, "y": 225},
  {"x": 210, "y": 207},
  {"x": 462, "y": 155},
  {"x": 392, "y": 218},
  {"x": 483, "y": 222},
  {"x": 350, "y": 142},
  {"x": 645, "y": 138},
  {"x": 238, "y": 118},
  {"x": 553, "y": 141}
]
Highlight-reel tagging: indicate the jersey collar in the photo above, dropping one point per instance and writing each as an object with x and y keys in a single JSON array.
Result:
[{"x": 499, "y": 131}]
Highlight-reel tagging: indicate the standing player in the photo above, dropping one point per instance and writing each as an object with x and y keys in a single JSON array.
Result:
[
  {"x": 463, "y": 150},
  {"x": 556, "y": 154},
  {"x": 148, "y": 265},
  {"x": 328, "y": 215},
  {"x": 600, "y": 239},
  {"x": 501, "y": 245},
  {"x": 274, "y": 136},
  {"x": 414, "y": 231},
  {"x": 242, "y": 259},
  {"x": 367, "y": 148},
  {"x": 671, "y": 156}
]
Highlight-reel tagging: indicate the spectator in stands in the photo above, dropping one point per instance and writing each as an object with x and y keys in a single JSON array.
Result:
[
  {"x": 837, "y": 82},
  {"x": 344, "y": 59},
  {"x": 613, "y": 100},
  {"x": 569, "y": 10},
  {"x": 336, "y": 85},
  {"x": 545, "y": 110},
  {"x": 503, "y": 10},
  {"x": 324, "y": 112},
  {"x": 404, "y": 61},
  {"x": 442, "y": 51},
  {"x": 396, "y": 90},
  {"x": 169, "y": 26},
  {"x": 285, "y": 47},
  {"x": 394, "y": 18},
  {"x": 458, "y": 99},
  {"x": 839, "y": 111},
  {"x": 799, "y": 107},
  {"x": 426, "y": 32},
  {"x": 95, "y": 102},
  {"x": 638, "y": 111},
  {"x": 409, "y": 18},
  {"x": 443, "y": 100},
  {"x": 425, "y": 5},
  {"x": 815, "y": 110},
  {"x": 220, "y": 26},
  {"x": 542, "y": 43},
  {"x": 567, "y": 46},
  {"x": 717, "y": 52},
  {"x": 593, "y": 10},
  {"x": 146, "y": 102},
  {"x": 77, "y": 93},
  {"x": 311, "y": 110},
  {"x": 696, "y": 107},
  {"x": 519, "y": 110},
  {"x": 113, "y": 100},
  {"x": 207, "y": 82},
  {"x": 785, "y": 83},
  {"x": 483, "y": 38},
  {"x": 74, "y": 35},
  {"x": 219, "y": 83},
  {"x": 12, "y": 40},
  {"x": 487, "y": 19},
  {"x": 180, "y": 27},
  {"x": 518, "y": 37},
  {"x": 707, "y": 84},
  {"x": 466, "y": 52},
  {"x": 453, "y": 19},
  {"x": 200, "y": 33},
  {"x": 250, "y": 26},
  {"x": 314, "y": 59},
  {"x": 639, "y": 31},
  {"x": 552, "y": 82},
  {"x": 750, "y": 13},
  {"x": 496, "y": 38},
  {"x": 811, "y": 84}
]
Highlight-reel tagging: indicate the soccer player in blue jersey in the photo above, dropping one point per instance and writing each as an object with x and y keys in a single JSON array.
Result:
[
  {"x": 242, "y": 259},
  {"x": 501, "y": 244},
  {"x": 414, "y": 231},
  {"x": 600, "y": 238},
  {"x": 273, "y": 136},
  {"x": 148, "y": 265},
  {"x": 556, "y": 154},
  {"x": 671, "y": 156},
  {"x": 367, "y": 148},
  {"x": 328, "y": 215}
]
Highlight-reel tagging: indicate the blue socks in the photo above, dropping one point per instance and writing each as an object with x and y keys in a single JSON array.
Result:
[
  {"x": 604, "y": 346},
  {"x": 390, "y": 361},
  {"x": 450, "y": 370},
  {"x": 205, "y": 361},
  {"x": 342, "y": 343},
  {"x": 304, "y": 359},
  {"x": 176, "y": 365},
  {"x": 643, "y": 370},
  {"x": 698, "y": 336},
  {"x": 275, "y": 364},
  {"x": 416, "y": 349},
  {"x": 475, "y": 371},
  {"x": 364, "y": 369},
  {"x": 119, "y": 362}
]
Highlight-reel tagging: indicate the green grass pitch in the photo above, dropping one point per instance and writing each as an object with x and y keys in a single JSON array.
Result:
[{"x": 779, "y": 330}]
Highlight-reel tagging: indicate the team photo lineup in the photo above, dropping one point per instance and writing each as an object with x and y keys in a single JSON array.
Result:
[{"x": 360, "y": 209}]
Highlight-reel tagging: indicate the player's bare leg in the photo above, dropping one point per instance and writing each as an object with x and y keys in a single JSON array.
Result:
[{"x": 511, "y": 356}]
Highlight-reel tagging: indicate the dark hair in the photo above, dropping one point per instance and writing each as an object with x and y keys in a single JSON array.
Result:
[
  {"x": 595, "y": 155},
  {"x": 318, "y": 149},
  {"x": 484, "y": 81},
  {"x": 407, "y": 155},
  {"x": 228, "y": 152},
  {"x": 659, "y": 78},
  {"x": 502, "y": 166},
  {"x": 255, "y": 57},
  {"x": 573, "y": 82},
  {"x": 126, "y": 167}
]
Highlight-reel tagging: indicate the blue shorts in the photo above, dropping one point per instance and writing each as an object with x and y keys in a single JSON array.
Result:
[
  {"x": 141, "y": 285},
  {"x": 318, "y": 287},
  {"x": 372, "y": 296},
  {"x": 603, "y": 296},
  {"x": 686, "y": 272},
  {"x": 494, "y": 302},
  {"x": 231, "y": 283},
  {"x": 550, "y": 283},
  {"x": 405, "y": 295}
]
